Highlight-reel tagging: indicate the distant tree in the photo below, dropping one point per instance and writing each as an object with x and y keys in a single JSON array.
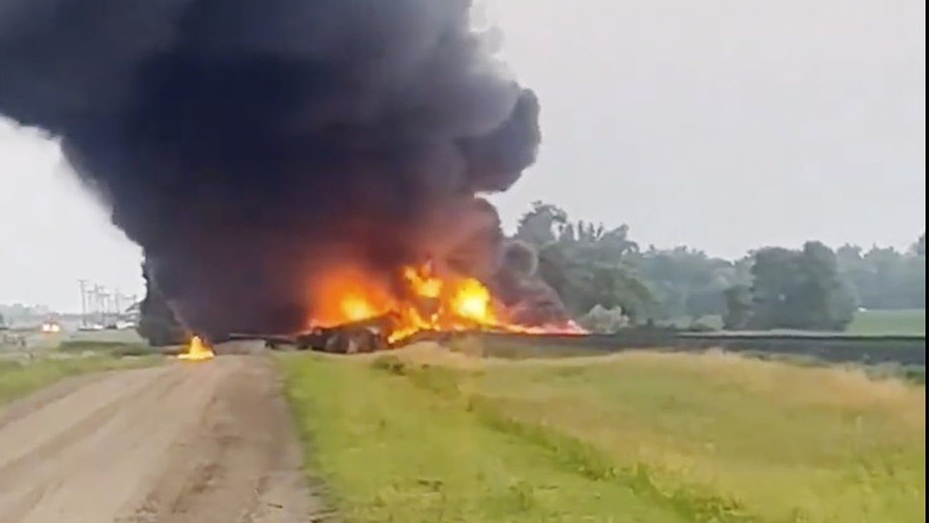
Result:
[
  {"x": 584, "y": 262},
  {"x": 915, "y": 296},
  {"x": 685, "y": 282},
  {"x": 738, "y": 300},
  {"x": 774, "y": 273},
  {"x": 589, "y": 264},
  {"x": 919, "y": 248},
  {"x": 543, "y": 224},
  {"x": 584, "y": 284},
  {"x": 596, "y": 243},
  {"x": 794, "y": 290},
  {"x": 885, "y": 278},
  {"x": 826, "y": 299},
  {"x": 705, "y": 301}
]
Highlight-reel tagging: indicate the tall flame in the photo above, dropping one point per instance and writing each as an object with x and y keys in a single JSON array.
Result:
[{"x": 196, "y": 351}]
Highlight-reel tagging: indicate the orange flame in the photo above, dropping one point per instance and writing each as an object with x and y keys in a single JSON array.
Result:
[
  {"x": 196, "y": 351},
  {"x": 428, "y": 302}
]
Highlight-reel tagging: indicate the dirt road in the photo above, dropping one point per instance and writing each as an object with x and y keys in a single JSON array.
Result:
[{"x": 207, "y": 442}]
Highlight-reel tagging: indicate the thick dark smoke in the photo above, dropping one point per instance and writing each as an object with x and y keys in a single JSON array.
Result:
[{"x": 246, "y": 145}]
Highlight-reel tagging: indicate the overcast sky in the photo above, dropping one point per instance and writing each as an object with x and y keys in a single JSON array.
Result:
[{"x": 722, "y": 124}]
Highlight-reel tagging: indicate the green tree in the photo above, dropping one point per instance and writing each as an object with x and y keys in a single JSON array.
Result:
[
  {"x": 584, "y": 262},
  {"x": 685, "y": 282},
  {"x": 795, "y": 290},
  {"x": 543, "y": 224},
  {"x": 709, "y": 300},
  {"x": 774, "y": 273},
  {"x": 885, "y": 278},
  {"x": 584, "y": 283},
  {"x": 590, "y": 264},
  {"x": 915, "y": 296},
  {"x": 824, "y": 297},
  {"x": 919, "y": 248},
  {"x": 738, "y": 300}
]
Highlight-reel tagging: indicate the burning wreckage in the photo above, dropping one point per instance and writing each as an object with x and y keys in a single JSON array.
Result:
[
  {"x": 358, "y": 323},
  {"x": 373, "y": 335},
  {"x": 354, "y": 338}
]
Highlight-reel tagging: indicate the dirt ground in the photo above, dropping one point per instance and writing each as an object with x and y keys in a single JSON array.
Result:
[{"x": 207, "y": 442}]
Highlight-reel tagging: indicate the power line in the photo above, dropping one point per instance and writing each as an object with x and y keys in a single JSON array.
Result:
[{"x": 101, "y": 306}]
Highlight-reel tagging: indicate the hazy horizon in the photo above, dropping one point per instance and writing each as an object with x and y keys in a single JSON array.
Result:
[{"x": 722, "y": 126}]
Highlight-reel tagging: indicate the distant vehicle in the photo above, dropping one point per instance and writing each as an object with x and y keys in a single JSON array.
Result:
[{"x": 50, "y": 327}]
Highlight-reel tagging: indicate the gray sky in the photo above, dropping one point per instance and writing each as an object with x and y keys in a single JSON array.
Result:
[{"x": 722, "y": 124}]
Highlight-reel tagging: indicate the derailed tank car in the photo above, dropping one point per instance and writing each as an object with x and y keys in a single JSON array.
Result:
[{"x": 351, "y": 338}]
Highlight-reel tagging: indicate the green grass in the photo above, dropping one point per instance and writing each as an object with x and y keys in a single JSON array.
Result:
[
  {"x": 109, "y": 348},
  {"x": 903, "y": 322},
  {"x": 900, "y": 322},
  {"x": 21, "y": 377},
  {"x": 426, "y": 435}
]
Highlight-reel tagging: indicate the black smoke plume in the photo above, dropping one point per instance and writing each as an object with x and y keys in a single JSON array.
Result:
[{"x": 246, "y": 145}]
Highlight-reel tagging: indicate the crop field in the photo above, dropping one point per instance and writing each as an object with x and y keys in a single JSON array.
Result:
[
  {"x": 425, "y": 434},
  {"x": 903, "y": 322},
  {"x": 906, "y": 321}
]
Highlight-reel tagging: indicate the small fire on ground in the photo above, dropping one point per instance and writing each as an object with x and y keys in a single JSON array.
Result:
[
  {"x": 197, "y": 350},
  {"x": 423, "y": 301}
]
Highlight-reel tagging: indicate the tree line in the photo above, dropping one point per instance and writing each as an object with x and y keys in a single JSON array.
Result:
[{"x": 608, "y": 280}]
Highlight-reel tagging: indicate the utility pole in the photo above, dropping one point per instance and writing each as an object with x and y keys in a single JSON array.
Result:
[
  {"x": 134, "y": 317},
  {"x": 98, "y": 303},
  {"x": 83, "y": 284},
  {"x": 104, "y": 306}
]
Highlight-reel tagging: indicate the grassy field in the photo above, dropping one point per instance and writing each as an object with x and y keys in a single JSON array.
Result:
[
  {"x": 868, "y": 323},
  {"x": 19, "y": 377},
  {"x": 911, "y": 321},
  {"x": 428, "y": 435}
]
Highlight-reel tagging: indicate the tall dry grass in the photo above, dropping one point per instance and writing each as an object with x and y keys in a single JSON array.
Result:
[{"x": 709, "y": 437}]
